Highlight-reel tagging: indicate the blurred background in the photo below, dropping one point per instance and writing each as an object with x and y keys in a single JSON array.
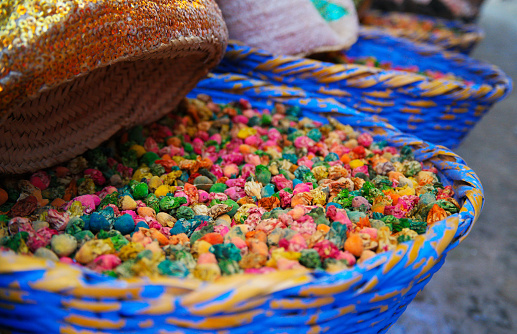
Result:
[{"x": 476, "y": 289}]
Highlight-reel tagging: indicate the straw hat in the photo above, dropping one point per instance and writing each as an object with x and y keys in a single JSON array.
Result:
[
  {"x": 74, "y": 72},
  {"x": 292, "y": 27}
]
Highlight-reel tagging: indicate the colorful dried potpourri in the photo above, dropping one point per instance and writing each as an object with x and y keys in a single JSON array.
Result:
[
  {"x": 412, "y": 25},
  {"x": 214, "y": 190}
]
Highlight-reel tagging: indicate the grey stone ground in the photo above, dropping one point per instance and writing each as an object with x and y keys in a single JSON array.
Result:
[{"x": 476, "y": 289}]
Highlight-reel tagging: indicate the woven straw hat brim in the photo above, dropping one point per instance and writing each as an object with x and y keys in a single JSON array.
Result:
[
  {"x": 102, "y": 67},
  {"x": 290, "y": 27}
]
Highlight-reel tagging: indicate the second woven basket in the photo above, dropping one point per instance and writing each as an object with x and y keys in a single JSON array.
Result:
[
  {"x": 437, "y": 110},
  {"x": 448, "y": 34}
]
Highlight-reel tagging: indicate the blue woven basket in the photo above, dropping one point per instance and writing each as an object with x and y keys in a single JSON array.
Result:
[
  {"x": 463, "y": 38},
  {"x": 439, "y": 111},
  {"x": 41, "y": 296}
]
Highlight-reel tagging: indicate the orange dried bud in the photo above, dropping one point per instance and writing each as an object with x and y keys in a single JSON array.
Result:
[
  {"x": 345, "y": 158},
  {"x": 41, "y": 201},
  {"x": 395, "y": 198},
  {"x": 222, "y": 179},
  {"x": 258, "y": 247},
  {"x": 146, "y": 212},
  {"x": 191, "y": 191},
  {"x": 174, "y": 141},
  {"x": 204, "y": 162},
  {"x": 158, "y": 236},
  {"x": 354, "y": 244},
  {"x": 166, "y": 163},
  {"x": 337, "y": 172},
  {"x": 246, "y": 149},
  {"x": 269, "y": 203},
  {"x": 58, "y": 202},
  {"x": 435, "y": 214},
  {"x": 358, "y": 183},
  {"x": 257, "y": 235},
  {"x": 174, "y": 240},
  {"x": 424, "y": 177},
  {"x": 71, "y": 191},
  {"x": 323, "y": 228},
  {"x": 301, "y": 199},
  {"x": 178, "y": 239},
  {"x": 3, "y": 196},
  {"x": 61, "y": 171},
  {"x": 253, "y": 260},
  {"x": 394, "y": 175},
  {"x": 230, "y": 111},
  {"x": 376, "y": 159},
  {"x": 213, "y": 238},
  {"x": 364, "y": 222},
  {"x": 378, "y": 208},
  {"x": 245, "y": 200}
]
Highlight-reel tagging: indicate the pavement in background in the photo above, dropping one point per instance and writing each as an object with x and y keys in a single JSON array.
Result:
[{"x": 476, "y": 289}]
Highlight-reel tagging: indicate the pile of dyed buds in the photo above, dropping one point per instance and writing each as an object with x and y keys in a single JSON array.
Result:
[
  {"x": 214, "y": 190},
  {"x": 412, "y": 25}
]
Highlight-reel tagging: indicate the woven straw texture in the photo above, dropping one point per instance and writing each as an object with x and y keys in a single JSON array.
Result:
[
  {"x": 439, "y": 111},
  {"x": 94, "y": 67},
  {"x": 461, "y": 37},
  {"x": 365, "y": 299},
  {"x": 292, "y": 27}
]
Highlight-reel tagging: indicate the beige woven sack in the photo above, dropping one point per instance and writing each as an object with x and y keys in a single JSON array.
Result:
[
  {"x": 74, "y": 72},
  {"x": 292, "y": 27}
]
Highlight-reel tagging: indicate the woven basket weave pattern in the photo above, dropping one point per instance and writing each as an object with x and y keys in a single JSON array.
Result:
[
  {"x": 439, "y": 111},
  {"x": 365, "y": 299},
  {"x": 84, "y": 113}
]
